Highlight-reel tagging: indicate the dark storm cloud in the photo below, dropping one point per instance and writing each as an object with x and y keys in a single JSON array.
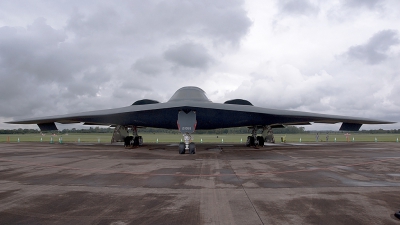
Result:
[
  {"x": 297, "y": 7},
  {"x": 71, "y": 52},
  {"x": 189, "y": 55},
  {"x": 37, "y": 63},
  {"x": 26, "y": 51},
  {"x": 42, "y": 54},
  {"x": 376, "y": 49},
  {"x": 27, "y": 62}
]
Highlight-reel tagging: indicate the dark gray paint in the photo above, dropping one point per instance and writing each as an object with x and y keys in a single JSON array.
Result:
[{"x": 209, "y": 115}]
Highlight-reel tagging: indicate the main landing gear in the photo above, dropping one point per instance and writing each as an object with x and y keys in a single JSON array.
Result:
[
  {"x": 131, "y": 141},
  {"x": 121, "y": 134},
  {"x": 266, "y": 136},
  {"x": 134, "y": 140}
]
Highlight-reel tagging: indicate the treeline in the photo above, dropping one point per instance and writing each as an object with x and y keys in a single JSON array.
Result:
[
  {"x": 236, "y": 130},
  {"x": 380, "y": 131},
  {"x": 20, "y": 131},
  {"x": 73, "y": 130}
]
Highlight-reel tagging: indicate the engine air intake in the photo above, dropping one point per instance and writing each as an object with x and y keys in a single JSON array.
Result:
[
  {"x": 145, "y": 102},
  {"x": 238, "y": 102}
]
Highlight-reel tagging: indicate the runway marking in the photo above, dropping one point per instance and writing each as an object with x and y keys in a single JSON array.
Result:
[{"x": 200, "y": 175}]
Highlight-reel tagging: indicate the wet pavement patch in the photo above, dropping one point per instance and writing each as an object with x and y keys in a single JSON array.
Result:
[
  {"x": 82, "y": 207},
  {"x": 6, "y": 194}
]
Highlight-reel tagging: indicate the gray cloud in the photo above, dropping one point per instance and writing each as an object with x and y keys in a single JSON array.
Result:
[
  {"x": 26, "y": 51},
  {"x": 150, "y": 20},
  {"x": 376, "y": 49},
  {"x": 362, "y": 3},
  {"x": 297, "y": 7},
  {"x": 352, "y": 9},
  {"x": 211, "y": 18},
  {"x": 149, "y": 65},
  {"x": 189, "y": 55}
]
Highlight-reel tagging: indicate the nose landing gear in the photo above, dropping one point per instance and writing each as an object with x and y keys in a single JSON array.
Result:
[{"x": 187, "y": 125}]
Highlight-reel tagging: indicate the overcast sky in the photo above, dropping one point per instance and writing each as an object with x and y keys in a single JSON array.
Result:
[{"x": 336, "y": 57}]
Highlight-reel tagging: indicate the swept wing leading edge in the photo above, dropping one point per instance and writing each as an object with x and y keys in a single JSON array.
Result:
[{"x": 209, "y": 115}]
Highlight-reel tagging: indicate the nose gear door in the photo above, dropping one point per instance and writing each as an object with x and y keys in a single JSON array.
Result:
[{"x": 187, "y": 122}]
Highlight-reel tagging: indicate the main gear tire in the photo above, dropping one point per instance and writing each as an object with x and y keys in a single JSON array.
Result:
[
  {"x": 140, "y": 140},
  {"x": 181, "y": 148},
  {"x": 127, "y": 141},
  {"x": 192, "y": 148},
  {"x": 135, "y": 141},
  {"x": 250, "y": 141},
  {"x": 260, "y": 141}
]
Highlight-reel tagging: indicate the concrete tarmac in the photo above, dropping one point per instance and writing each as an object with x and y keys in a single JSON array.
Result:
[{"x": 309, "y": 183}]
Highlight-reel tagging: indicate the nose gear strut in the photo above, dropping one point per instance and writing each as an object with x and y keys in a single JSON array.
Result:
[{"x": 187, "y": 125}]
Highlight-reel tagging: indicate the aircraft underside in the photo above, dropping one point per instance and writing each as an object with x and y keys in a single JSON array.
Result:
[{"x": 186, "y": 124}]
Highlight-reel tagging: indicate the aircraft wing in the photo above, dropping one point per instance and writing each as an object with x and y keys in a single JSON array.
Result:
[{"x": 209, "y": 115}]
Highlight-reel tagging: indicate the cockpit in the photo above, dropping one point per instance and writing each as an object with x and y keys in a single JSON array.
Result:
[{"x": 190, "y": 93}]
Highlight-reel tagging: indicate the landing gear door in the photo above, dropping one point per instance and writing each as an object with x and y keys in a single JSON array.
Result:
[{"x": 187, "y": 122}]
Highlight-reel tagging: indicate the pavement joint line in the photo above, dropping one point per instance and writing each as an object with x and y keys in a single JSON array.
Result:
[
  {"x": 247, "y": 195},
  {"x": 285, "y": 154},
  {"x": 200, "y": 175}
]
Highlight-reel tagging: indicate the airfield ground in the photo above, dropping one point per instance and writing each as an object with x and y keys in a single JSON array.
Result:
[{"x": 300, "y": 183}]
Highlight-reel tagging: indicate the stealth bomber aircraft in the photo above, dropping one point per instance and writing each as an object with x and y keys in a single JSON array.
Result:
[{"x": 188, "y": 110}]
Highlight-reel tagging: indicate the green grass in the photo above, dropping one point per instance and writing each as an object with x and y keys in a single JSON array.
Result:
[{"x": 205, "y": 138}]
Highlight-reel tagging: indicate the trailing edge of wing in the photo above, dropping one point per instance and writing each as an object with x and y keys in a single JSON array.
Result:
[
  {"x": 67, "y": 122},
  {"x": 95, "y": 124},
  {"x": 299, "y": 123},
  {"x": 277, "y": 126},
  {"x": 289, "y": 124},
  {"x": 326, "y": 122}
]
